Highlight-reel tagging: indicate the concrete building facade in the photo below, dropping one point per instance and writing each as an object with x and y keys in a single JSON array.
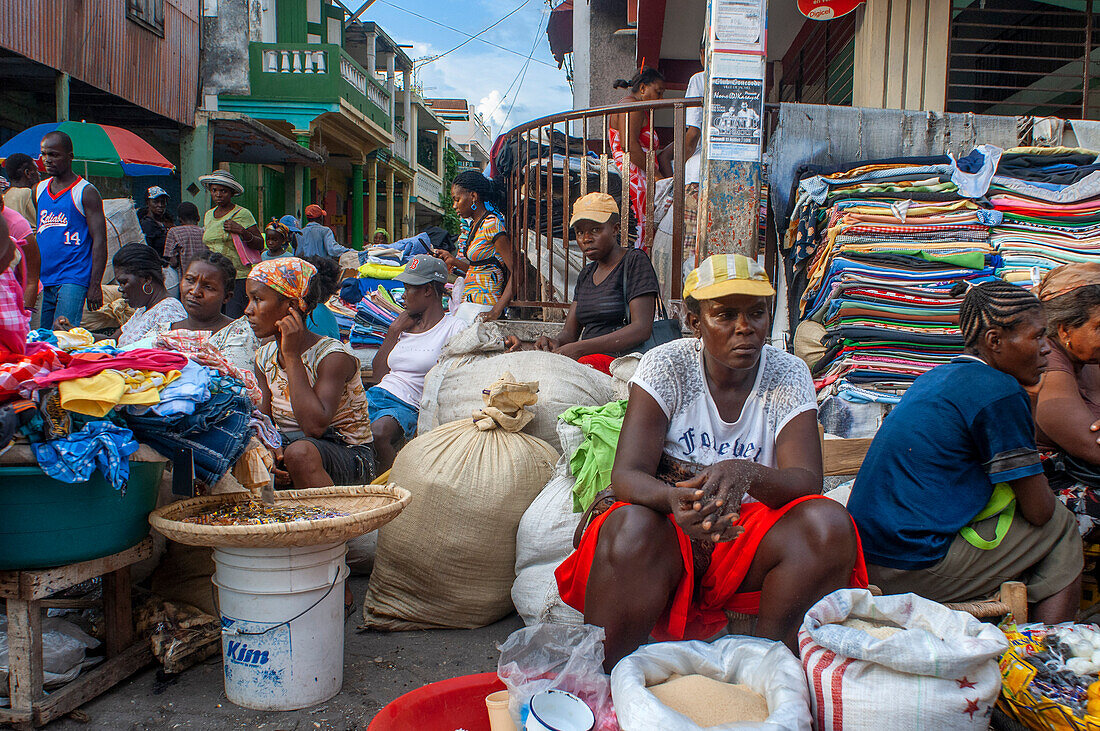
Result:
[
  {"x": 470, "y": 135},
  {"x": 1006, "y": 57}
]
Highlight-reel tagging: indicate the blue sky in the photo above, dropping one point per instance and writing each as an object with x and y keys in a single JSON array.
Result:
[{"x": 480, "y": 72}]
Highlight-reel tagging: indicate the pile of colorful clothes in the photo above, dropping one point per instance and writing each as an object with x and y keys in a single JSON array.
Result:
[
  {"x": 1050, "y": 199},
  {"x": 875, "y": 249},
  {"x": 94, "y": 403}
]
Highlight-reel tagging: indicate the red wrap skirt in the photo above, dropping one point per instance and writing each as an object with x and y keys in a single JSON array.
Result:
[{"x": 698, "y": 612}]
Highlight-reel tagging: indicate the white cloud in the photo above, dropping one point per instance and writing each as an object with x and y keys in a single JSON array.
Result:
[
  {"x": 481, "y": 73},
  {"x": 490, "y": 108}
]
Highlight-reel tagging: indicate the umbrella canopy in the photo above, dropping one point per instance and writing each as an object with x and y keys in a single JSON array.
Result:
[{"x": 97, "y": 149}]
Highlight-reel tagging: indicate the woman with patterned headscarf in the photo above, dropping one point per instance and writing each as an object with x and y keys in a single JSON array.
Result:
[{"x": 310, "y": 383}]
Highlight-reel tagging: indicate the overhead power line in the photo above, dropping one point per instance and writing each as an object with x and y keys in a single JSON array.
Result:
[
  {"x": 526, "y": 65},
  {"x": 462, "y": 32},
  {"x": 475, "y": 36}
]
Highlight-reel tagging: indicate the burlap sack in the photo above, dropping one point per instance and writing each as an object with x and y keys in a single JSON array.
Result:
[{"x": 448, "y": 561}]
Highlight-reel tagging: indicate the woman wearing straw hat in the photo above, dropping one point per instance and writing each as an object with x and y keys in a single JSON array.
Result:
[{"x": 224, "y": 221}]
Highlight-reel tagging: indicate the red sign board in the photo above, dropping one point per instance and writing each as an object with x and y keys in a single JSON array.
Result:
[{"x": 827, "y": 9}]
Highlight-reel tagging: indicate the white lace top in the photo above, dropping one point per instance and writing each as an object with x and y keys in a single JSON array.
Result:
[
  {"x": 147, "y": 321},
  {"x": 673, "y": 375}
]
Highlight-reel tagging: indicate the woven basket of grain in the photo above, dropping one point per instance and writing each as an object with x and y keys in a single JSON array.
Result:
[{"x": 365, "y": 508}]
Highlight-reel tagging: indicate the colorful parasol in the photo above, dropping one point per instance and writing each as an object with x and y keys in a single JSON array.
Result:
[{"x": 97, "y": 149}]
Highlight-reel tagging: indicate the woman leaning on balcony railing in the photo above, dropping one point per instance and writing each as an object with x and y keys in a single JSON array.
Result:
[{"x": 631, "y": 137}]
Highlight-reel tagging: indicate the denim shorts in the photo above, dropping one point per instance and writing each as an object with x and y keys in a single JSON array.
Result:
[{"x": 381, "y": 402}]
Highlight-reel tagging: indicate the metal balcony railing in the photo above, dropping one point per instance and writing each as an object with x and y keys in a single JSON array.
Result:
[{"x": 553, "y": 168}]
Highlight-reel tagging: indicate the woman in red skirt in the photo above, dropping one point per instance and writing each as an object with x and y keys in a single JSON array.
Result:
[{"x": 717, "y": 481}]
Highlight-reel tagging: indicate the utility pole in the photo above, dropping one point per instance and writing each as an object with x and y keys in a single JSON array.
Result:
[{"x": 733, "y": 122}]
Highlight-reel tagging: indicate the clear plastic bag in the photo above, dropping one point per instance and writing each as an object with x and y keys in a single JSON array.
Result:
[
  {"x": 767, "y": 667},
  {"x": 545, "y": 656},
  {"x": 63, "y": 649}
]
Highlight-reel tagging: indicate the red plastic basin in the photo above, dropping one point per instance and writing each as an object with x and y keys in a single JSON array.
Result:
[{"x": 457, "y": 703}]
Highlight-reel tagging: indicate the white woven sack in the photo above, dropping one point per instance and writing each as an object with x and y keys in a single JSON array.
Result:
[
  {"x": 477, "y": 342},
  {"x": 545, "y": 539},
  {"x": 767, "y": 667},
  {"x": 940, "y": 673},
  {"x": 563, "y": 383}
]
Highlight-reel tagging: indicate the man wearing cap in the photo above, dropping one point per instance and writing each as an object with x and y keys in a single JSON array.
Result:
[
  {"x": 71, "y": 231},
  {"x": 317, "y": 239},
  {"x": 717, "y": 501},
  {"x": 155, "y": 220},
  {"x": 410, "y": 349}
]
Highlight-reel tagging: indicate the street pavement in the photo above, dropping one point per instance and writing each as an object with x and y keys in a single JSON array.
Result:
[{"x": 378, "y": 667}]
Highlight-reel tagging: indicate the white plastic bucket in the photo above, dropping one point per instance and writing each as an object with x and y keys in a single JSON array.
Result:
[{"x": 282, "y": 612}]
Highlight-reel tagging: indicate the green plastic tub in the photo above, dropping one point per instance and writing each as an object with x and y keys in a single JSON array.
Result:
[{"x": 46, "y": 522}]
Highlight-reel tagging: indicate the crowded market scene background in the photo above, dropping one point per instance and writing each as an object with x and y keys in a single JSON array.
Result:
[{"x": 752, "y": 383}]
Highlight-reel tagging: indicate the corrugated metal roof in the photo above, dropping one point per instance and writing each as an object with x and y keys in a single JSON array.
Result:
[{"x": 92, "y": 40}]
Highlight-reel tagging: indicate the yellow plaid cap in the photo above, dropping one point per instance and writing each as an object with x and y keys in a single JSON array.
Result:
[{"x": 724, "y": 274}]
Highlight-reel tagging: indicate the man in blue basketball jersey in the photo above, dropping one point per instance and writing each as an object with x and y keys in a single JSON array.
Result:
[{"x": 72, "y": 236}]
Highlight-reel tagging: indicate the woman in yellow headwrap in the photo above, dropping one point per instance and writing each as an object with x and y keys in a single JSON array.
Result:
[{"x": 310, "y": 383}]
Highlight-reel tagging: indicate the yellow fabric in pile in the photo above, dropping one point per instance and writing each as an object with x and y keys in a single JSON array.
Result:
[
  {"x": 97, "y": 395},
  {"x": 143, "y": 387},
  {"x": 380, "y": 271},
  {"x": 93, "y": 395}
]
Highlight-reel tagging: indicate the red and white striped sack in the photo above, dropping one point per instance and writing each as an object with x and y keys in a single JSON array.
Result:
[{"x": 939, "y": 673}]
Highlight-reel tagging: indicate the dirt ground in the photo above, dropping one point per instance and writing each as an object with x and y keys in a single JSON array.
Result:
[{"x": 378, "y": 667}]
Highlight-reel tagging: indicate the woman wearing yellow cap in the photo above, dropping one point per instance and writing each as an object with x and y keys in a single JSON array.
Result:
[
  {"x": 717, "y": 483},
  {"x": 615, "y": 296}
]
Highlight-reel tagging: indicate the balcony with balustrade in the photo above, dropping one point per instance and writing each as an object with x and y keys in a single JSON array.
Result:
[{"x": 299, "y": 81}]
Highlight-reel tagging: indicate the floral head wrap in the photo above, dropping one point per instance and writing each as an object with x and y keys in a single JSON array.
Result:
[
  {"x": 280, "y": 228},
  {"x": 289, "y": 276}
]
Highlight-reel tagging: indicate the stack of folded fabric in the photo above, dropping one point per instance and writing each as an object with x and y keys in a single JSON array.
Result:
[
  {"x": 1050, "y": 198},
  {"x": 344, "y": 314},
  {"x": 373, "y": 316},
  {"x": 878, "y": 248}
]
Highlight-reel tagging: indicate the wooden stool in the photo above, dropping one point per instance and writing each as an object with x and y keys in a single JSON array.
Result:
[{"x": 25, "y": 592}]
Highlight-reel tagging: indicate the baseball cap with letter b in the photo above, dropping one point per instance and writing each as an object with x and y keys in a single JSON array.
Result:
[
  {"x": 423, "y": 268},
  {"x": 721, "y": 275}
]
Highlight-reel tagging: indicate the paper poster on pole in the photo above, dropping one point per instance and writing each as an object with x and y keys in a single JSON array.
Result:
[
  {"x": 737, "y": 25},
  {"x": 736, "y": 108}
]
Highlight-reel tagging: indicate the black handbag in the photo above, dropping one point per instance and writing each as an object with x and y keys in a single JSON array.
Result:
[{"x": 665, "y": 328}]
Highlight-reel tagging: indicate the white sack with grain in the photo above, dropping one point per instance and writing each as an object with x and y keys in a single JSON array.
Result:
[
  {"x": 475, "y": 357},
  {"x": 765, "y": 667},
  {"x": 938, "y": 672}
]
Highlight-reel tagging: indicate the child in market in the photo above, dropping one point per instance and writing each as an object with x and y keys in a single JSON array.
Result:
[
  {"x": 310, "y": 383},
  {"x": 277, "y": 241}
]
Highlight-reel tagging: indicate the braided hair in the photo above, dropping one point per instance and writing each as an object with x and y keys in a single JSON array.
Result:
[
  {"x": 486, "y": 189},
  {"x": 991, "y": 304}
]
